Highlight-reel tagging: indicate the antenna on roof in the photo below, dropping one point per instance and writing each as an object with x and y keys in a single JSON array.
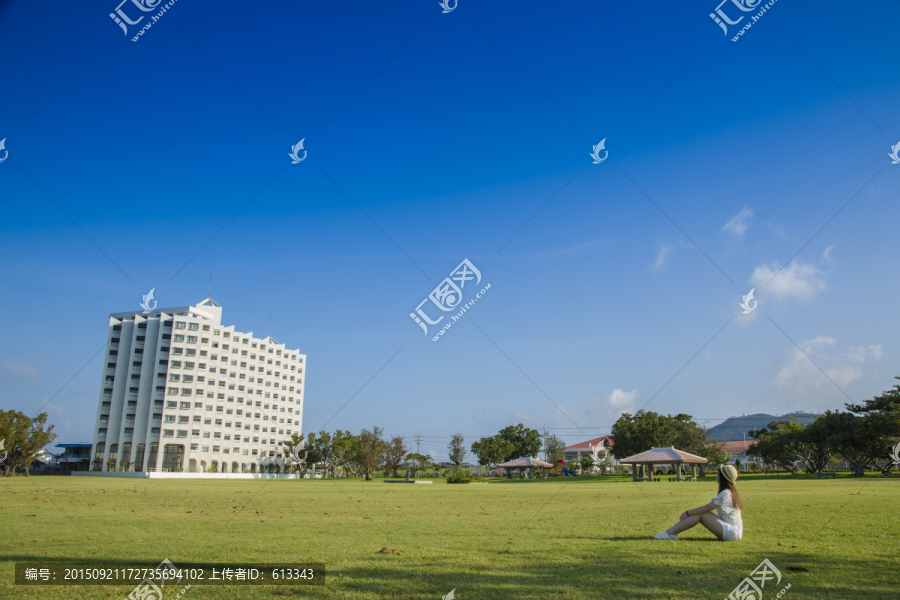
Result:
[{"x": 269, "y": 334}]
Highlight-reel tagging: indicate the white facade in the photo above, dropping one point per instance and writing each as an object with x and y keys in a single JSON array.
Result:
[{"x": 181, "y": 392}]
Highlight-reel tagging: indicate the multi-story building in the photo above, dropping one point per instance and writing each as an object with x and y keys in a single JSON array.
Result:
[{"x": 180, "y": 392}]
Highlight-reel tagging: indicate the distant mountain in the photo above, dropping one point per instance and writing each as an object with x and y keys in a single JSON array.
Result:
[{"x": 735, "y": 427}]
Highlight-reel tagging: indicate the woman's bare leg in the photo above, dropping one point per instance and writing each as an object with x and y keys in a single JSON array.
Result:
[
  {"x": 713, "y": 523},
  {"x": 709, "y": 520},
  {"x": 683, "y": 524}
]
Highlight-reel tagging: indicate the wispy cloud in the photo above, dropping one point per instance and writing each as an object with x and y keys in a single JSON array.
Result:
[
  {"x": 798, "y": 281},
  {"x": 739, "y": 223},
  {"x": 662, "y": 254},
  {"x": 797, "y": 378},
  {"x": 14, "y": 368}
]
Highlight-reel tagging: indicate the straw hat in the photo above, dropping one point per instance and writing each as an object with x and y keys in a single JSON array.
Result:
[{"x": 729, "y": 473}]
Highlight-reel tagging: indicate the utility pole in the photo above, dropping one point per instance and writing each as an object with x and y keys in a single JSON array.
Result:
[{"x": 418, "y": 443}]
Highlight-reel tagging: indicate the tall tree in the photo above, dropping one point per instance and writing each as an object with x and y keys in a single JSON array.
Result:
[
  {"x": 457, "y": 449},
  {"x": 882, "y": 414},
  {"x": 23, "y": 438},
  {"x": 554, "y": 449},
  {"x": 633, "y": 434},
  {"x": 492, "y": 451},
  {"x": 342, "y": 443},
  {"x": 526, "y": 442},
  {"x": 779, "y": 443},
  {"x": 393, "y": 454},
  {"x": 368, "y": 450}
]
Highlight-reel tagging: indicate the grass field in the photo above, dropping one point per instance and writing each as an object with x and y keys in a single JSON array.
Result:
[{"x": 573, "y": 538}]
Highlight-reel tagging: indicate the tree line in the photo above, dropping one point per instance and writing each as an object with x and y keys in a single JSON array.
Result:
[{"x": 864, "y": 435}]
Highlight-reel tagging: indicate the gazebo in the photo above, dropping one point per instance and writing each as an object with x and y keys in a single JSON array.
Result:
[
  {"x": 525, "y": 463},
  {"x": 668, "y": 456}
]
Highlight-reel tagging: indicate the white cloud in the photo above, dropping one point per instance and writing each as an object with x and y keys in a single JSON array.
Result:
[
  {"x": 798, "y": 378},
  {"x": 15, "y": 369},
  {"x": 620, "y": 401},
  {"x": 826, "y": 255},
  {"x": 739, "y": 223},
  {"x": 800, "y": 280},
  {"x": 662, "y": 254}
]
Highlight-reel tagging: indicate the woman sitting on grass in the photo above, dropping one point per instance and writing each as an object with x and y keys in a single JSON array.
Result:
[{"x": 727, "y": 526}]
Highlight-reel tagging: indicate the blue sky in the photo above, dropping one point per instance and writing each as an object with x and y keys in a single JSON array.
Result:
[{"x": 433, "y": 138}]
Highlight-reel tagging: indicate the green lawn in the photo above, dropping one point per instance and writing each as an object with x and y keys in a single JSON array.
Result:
[{"x": 569, "y": 538}]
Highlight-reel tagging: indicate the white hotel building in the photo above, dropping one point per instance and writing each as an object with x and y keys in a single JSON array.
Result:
[{"x": 180, "y": 392}]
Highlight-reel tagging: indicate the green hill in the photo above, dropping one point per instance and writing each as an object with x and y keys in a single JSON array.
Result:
[{"x": 734, "y": 428}]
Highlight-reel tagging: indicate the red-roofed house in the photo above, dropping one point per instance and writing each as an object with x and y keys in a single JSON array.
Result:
[{"x": 577, "y": 451}]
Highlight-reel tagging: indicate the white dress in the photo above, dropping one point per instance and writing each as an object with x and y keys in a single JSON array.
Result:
[{"x": 732, "y": 525}]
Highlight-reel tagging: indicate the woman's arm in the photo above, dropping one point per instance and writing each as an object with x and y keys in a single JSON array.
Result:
[{"x": 709, "y": 507}]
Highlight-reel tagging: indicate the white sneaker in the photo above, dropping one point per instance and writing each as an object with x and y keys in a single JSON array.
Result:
[{"x": 665, "y": 536}]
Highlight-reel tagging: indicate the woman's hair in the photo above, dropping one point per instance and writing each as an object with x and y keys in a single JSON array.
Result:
[{"x": 724, "y": 484}]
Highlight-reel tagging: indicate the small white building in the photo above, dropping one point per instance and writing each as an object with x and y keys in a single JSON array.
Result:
[
  {"x": 601, "y": 445},
  {"x": 181, "y": 392}
]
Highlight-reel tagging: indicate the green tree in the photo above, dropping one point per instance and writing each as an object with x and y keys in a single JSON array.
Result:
[
  {"x": 633, "y": 434},
  {"x": 882, "y": 416},
  {"x": 393, "y": 454},
  {"x": 779, "y": 443},
  {"x": 554, "y": 449},
  {"x": 492, "y": 451},
  {"x": 23, "y": 438},
  {"x": 587, "y": 464},
  {"x": 526, "y": 442},
  {"x": 340, "y": 450},
  {"x": 418, "y": 461},
  {"x": 457, "y": 449},
  {"x": 368, "y": 450}
]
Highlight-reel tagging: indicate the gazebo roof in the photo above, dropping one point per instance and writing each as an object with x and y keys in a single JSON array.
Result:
[
  {"x": 525, "y": 462},
  {"x": 664, "y": 455}
]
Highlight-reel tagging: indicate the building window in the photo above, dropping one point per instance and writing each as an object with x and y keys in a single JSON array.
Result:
[
  {"x": 191, "y": 352},
  {"x": 168, "y": 432},
  {"x": 179, "y": 337},
  {"x": 172, "y": 403},
  {"x": 170, "y": 418},
  {"x": 192, "y": 339},
  {"x": 174, "y": 377},
  {"x": 194, "y": 326},
  {"x": 186, "y": 391},
  {"x": 179, "y": 324},
  {"x": 177, "y": 350},
  {"x": 183, "y": 419}
]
